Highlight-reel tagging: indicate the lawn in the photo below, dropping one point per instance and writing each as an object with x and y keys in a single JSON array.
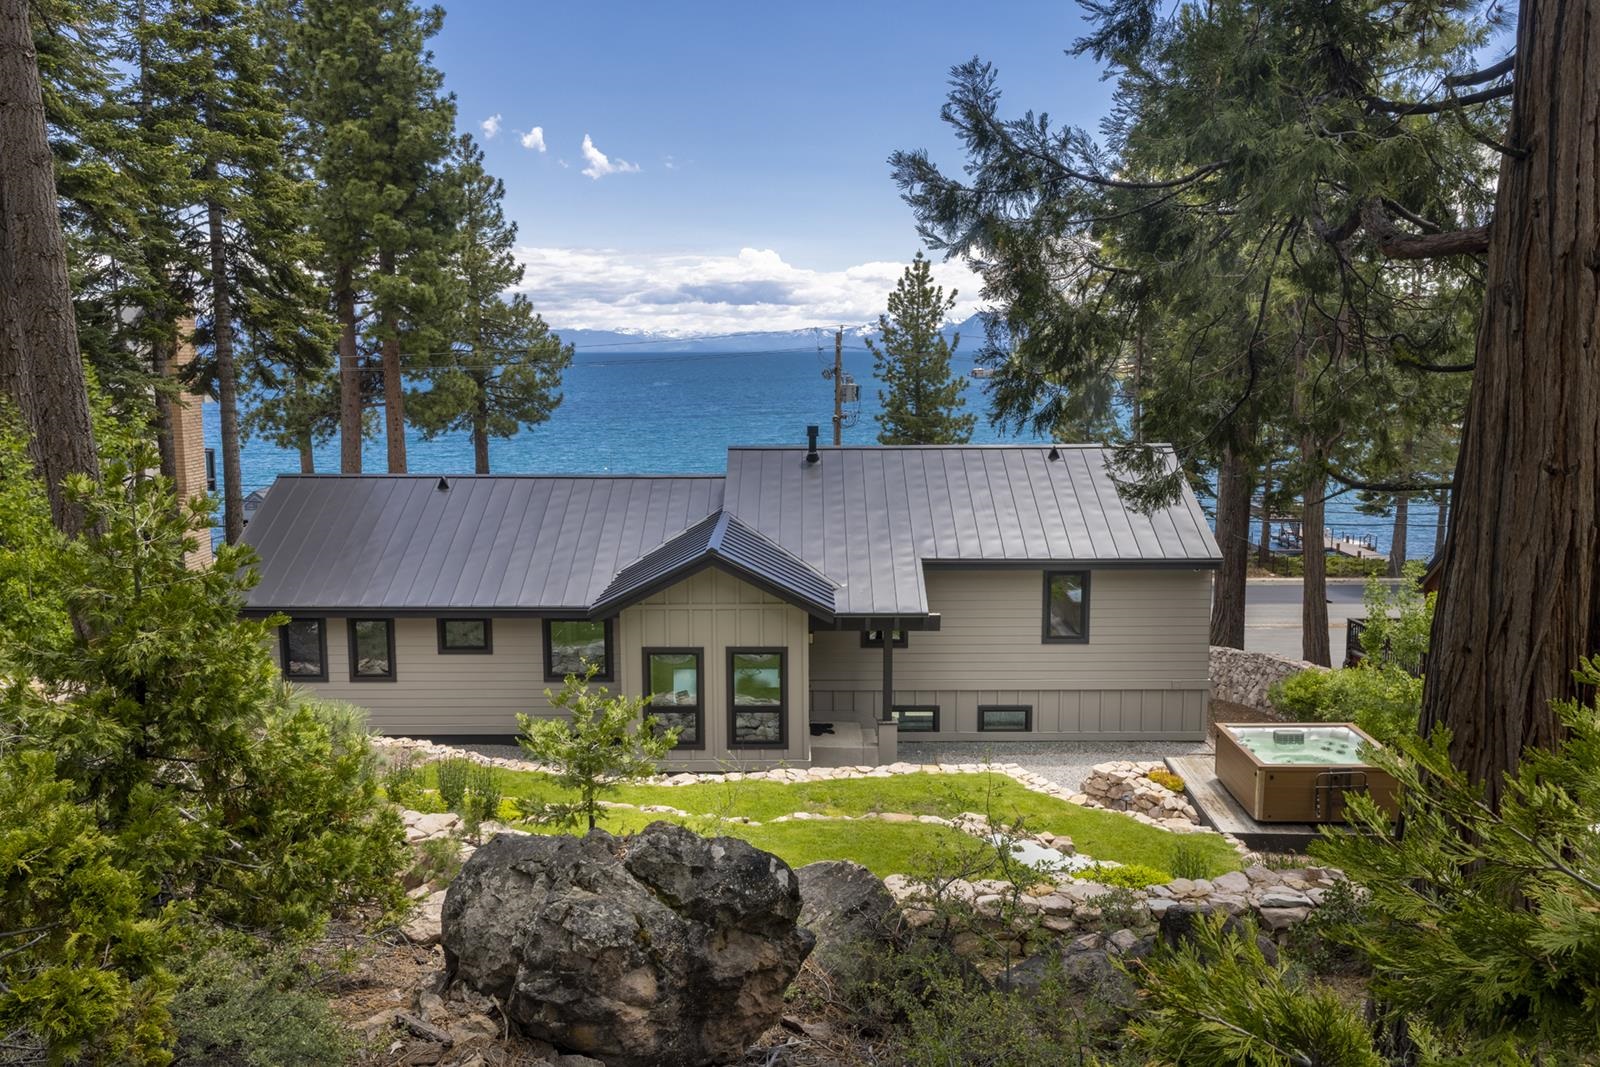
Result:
[{"x": 889, "y": 848}]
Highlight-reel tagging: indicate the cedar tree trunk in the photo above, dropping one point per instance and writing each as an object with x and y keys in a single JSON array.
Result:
[
  {"x": 1397, "y": 543},
  {"x": 227, "y": 376},
  {"x": 1314, "y": 586},
  {"x": 1518, "y": 602},
  {"x": 394, "y": 393},
  {"x": 1233, "y": 536},
  {"x": 350, "y": 384}
]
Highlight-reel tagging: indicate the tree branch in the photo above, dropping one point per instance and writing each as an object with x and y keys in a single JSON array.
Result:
[
  {"x": 1487, "y": 74},
  {"x": 1438, "y": 107},
  {"x": 1351, "y": 482}
]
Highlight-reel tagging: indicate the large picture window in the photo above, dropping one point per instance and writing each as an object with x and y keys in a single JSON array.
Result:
[
  {"x": 757, "y": 679},
  {"x": 1005, "y": 718},
  {"x": 1066, "y": 606},
  {"x": 672, "y": 680},
  {"x": 571, "y": 643},
  {"x": 303, "y": 650},
  {"x": 465, "y": 636},
  {"x": 371, "y": 650}
]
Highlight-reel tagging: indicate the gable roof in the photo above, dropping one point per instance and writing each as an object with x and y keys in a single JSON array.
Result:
[
  {"x": 872, "y": 518},
  {"x": 848, "y": 535},
  {"x": 500, "y": 543},
  {"x": 722, "y": 540}
]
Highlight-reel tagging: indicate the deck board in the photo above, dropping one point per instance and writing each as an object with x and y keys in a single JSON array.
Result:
[{"x": 1218, "y": 809}]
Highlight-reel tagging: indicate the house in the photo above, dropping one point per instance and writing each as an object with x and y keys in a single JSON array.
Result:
[{"x": 807, "y": 607}]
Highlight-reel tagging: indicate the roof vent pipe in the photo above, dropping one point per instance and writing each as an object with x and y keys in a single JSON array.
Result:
[
  {"x": 443, "y": 486},
  {"x": 811, "y": 444},
  {"x": 1055, "y": 453}
]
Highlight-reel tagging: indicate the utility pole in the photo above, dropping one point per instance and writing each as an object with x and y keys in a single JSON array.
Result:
[{"x": 838, "y": 387}]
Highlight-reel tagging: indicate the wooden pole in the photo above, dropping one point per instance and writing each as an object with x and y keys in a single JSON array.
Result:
[{"x": 838, "y": 387}]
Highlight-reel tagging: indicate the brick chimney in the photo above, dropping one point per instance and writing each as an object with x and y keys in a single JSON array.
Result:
[{"x": 189, "y": 441}]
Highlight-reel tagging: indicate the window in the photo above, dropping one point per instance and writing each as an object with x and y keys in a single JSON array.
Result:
[
  {"x": 303, "y": 650},
  {"x": 569, "y": 644},
  {"x": 917, "y": 718},
  {"x": 1066, "y": 606},
  {"x": 672, "y": 681},
  {"x": 371, "y": 650},
  {"x": 874, "y": 638},
  {"x": 465, "y": 636},
  {"x": 1005, "y": 718},
  {"x": 756, "y": 679}
]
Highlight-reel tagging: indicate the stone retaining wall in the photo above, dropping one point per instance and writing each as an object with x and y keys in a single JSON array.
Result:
[{"x": 1242, "y": 677}]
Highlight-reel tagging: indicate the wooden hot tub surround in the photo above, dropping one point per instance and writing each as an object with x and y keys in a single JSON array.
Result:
[{"x": 1297, "y": 792}]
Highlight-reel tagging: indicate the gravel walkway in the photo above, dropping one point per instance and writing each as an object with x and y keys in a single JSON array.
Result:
[{"x": 1066, "y": 763}]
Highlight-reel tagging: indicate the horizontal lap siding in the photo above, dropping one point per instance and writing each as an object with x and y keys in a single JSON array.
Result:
[
  {"x": 450, "y": 694},
  {"x": 1142, "y": 673}
]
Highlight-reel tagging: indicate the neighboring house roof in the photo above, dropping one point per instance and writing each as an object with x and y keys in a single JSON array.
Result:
[
  {"x": 501, "y": 543},
  {"x": 721, "y": 540},
  {"x": 848, "y": 535},
  {"x": 871, "y": 518}
]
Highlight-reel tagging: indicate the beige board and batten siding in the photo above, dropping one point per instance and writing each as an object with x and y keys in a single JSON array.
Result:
[
  {"x": 438, "y": 695},
  {"x": 714, "y": 611},
  {"x": 1142, "y": 673}
]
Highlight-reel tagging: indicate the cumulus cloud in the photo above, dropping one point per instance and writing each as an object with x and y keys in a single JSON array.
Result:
[
  {"x": 601, "y": 164},
  {"x": 491, "y": 127},
  {"x": 694, "y": 294},
  {"x": 534, "y": 139}
]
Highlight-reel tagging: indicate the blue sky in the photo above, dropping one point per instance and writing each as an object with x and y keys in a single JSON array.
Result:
[{"x": 744, "y": 183}]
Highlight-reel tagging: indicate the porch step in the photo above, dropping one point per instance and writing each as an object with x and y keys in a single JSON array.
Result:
[{"x": 849, "y": 745}]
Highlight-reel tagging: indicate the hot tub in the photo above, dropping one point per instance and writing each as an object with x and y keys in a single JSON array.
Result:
[{"x": 1296, "y": 772}]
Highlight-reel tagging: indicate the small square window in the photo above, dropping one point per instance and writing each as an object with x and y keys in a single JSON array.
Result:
[
  {"x": 371, "y": 650},
  {"x": 1066, "y": 606},
  {"x": 303, "y": 650},
  {"x": 874, "y": 638},
  {"x": 757, "y": 680},
  {"x": 571, "y": 645},
  {"x": 917, "y": 718},
  {"x": 465, "y": 636},
  {"x": 1005, "y": 718},
  {"x": 672, "y": 681}
]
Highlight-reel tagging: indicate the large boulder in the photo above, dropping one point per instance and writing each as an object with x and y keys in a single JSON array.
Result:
[
  {"x": 848, "y": 909},
  {"x": 664, "y": 947}
]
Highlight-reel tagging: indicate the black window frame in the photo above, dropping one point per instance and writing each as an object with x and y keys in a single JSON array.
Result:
[
  {"x": 901, "y": 708},
  {"x": 783, "y": 702},
  {"x": 1055, "y": 639},
  {"x": 699, "y": 708},
  {"x": 607, "y": 672},
  {"x": 350, "y": 633},
  {"x": 322, "y": 648},
  {"x": 488, "y": 636},
  {"x": 868, "y": 641},
  {"x": 1027, "y": 720}
]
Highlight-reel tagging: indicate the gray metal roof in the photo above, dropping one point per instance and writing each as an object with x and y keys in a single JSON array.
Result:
[
  {"x": 872, "y": 517},
  {"x": 723, "y": 540},
  {"x": 511, "y": 543},
  {"x": 848, "y": 535}
]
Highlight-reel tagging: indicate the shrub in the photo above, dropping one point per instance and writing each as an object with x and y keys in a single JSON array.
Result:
[
  {"x": 451, "y": 778},
  {"x": 1189, "y": 860},
  {"x": 438, "y": 859},
  {"x": 234, "y": 1008},
  {"x": 1128, "y": 876},
  {"x": 402, "y": 779},
  {"x": 1383, "y": 701},
  {"x": 1166, "y": 780},
  {"x": 483, "y": 793},
  {"x": 604, "y": 742}
]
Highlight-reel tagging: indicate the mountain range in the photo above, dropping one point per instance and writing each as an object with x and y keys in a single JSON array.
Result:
[{"x": 620, "y": 341}]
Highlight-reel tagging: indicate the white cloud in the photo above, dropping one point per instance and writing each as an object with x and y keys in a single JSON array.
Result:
[
  {"x": 491, "y": 127},
  {"x": 534, "y": 138},
  {"x": 601, "y": 164},
  {"x": 693, "y": 294}
]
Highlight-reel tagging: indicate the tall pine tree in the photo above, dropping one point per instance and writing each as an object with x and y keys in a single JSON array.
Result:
[
  {"x": 922, "y": 400},
  {"x": 503, "y": 366}
]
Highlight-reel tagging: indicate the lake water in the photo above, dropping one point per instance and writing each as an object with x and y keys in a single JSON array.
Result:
[{"x": 644, "y": 412}]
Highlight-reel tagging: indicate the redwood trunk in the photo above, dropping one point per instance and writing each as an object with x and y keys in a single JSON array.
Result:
[
  {"x": 1314, "y": 586},
  {"x": 1233, "y": 536},
  {"x": 227, "y": 377},
  {"x": 1441, "y": 508},
  {"x": 41, "y": 369},
  {"x": 1518, "y": 603},
  {"x": 350, "y": 427}
]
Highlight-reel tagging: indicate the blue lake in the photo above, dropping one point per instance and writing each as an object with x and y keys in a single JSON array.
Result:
[{"x": 644, "y": 412}]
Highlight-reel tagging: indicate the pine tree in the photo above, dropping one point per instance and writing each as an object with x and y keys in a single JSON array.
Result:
[
  {"x": 381, "y": 130},
  {"x": 503, "y": 366},
  {"x": 922, "y": 404}
]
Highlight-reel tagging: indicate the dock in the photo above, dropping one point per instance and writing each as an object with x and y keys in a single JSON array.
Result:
[
  {"x": 1344, "y": 546},
  {"x": 1218, "y": 810}
]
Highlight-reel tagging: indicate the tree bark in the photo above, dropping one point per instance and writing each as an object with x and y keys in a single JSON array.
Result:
[
  {"x": 350, "y": 423},
  {"x": 394, "y": 393},
  {"x": 1397, "y": 542},
  {"x": 162, "y": 353},
  {"x": 1518, "y": 603},
  {"x": 1233, "y": 536},
  {"x": 1264, "y": 550},
  {"x": 1441, "y": 509},
  {"x": 41, "y": 368},
  {"x": 1314, "y": 586},
  {"x": 480, "y": 439},
  {"x": 227, "y": 377}
]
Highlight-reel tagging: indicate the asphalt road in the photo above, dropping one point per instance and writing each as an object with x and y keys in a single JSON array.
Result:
[{"x": 1272, "y": 614}]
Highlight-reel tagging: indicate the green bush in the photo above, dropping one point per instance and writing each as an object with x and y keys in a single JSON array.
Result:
[
  {"x": 1127, "y": 876},
  {"x": 1383, "y": 701},
  {"x": 1189, "y": 860},
  {"x": 1337, "y": 567},
  {"x": 484, "y": 793},
  {"x": 234, "y": 1009},
  {"x": 402, "y": 779},
  {"x": 451, "y": 780}
]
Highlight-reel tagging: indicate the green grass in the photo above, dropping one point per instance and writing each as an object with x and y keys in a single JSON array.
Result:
[{"x": 888, "y": 848}]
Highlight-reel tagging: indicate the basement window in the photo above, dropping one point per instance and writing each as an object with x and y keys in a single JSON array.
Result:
[
  {"x": 1005, "y": 718},
  {"x": 303, "y": 650},
  {"x": 917, "y": 718}
]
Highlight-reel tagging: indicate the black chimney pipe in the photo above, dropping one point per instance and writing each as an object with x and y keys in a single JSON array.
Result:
[{"x": 811, "y": 444}]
